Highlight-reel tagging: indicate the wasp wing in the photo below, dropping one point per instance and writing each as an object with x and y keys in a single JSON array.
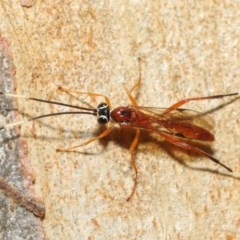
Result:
[{"x": 180, "y": 122}]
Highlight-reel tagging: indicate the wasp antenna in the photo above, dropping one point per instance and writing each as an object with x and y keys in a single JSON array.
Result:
[
  {"x": 12, "y": 125},
  {"x": 222, "y": 95},
  {"x": 83, "y": 110},
  {"x": 13, "y": 95}
]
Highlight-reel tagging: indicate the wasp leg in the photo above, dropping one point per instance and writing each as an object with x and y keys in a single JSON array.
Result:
[
  {"x": 185, "y": 145},
  {"x": 133, "y": 162},
  {"x": 102, "y": 135}
]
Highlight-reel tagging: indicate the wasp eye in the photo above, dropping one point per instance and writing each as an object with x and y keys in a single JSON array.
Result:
[{"x": 103, "y": 113}]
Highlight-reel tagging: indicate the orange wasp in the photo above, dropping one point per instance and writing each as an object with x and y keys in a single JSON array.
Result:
[{"x": 176, "y": 125}]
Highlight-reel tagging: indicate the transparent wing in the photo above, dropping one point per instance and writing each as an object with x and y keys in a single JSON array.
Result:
[{"x": 180, "y": 122}]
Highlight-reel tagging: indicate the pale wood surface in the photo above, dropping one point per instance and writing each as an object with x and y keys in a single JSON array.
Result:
[{"x": 188, "y": 48}]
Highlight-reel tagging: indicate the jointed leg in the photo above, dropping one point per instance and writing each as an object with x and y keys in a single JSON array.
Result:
[
  {"x": 136, "y": 85},
  {"x": 71, "y": 149},
  {"x": 133, "y": 162},
  {"x": 85, "y": 93},
  {"x": 186, "y": 100},
  {"x": 185, "y": 145}
]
